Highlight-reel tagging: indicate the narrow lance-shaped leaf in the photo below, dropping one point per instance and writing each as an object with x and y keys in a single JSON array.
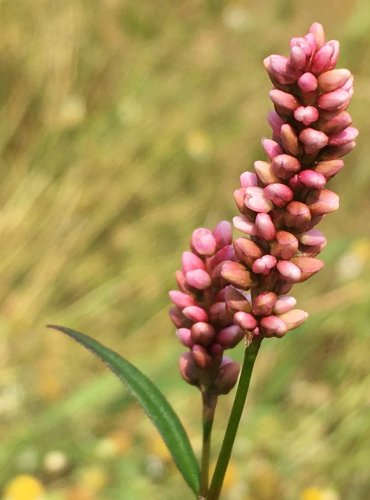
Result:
[{"x": 152, "y": 401}]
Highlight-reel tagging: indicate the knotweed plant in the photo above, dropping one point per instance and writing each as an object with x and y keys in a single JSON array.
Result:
[{"x": 239, "y": 290}]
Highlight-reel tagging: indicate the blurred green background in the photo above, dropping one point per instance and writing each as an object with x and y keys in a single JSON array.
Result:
[{"x": 123, "y": 126}]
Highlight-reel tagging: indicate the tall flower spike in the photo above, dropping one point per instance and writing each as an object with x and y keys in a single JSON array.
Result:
[{"x": 287, "y": 196}]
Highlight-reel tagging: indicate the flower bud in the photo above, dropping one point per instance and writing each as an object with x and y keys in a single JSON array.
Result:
[
  {"x": 265, "y": 172},
  {"x": 279, "y": 194},
  {"x": 297, "y": 215},
  {"x": 264, "y": 264},
  {"x": 248, "y": 179},
  {"x": 272, "y": 149},
  {"x": 218, "y": 314},
  {"x": 202, "y": 333},
  {"x": 289, "y": 271},
  {"x": 191, "y": 261},
  {"x": 317, "y": 31},
  {"x": 313, "y": 140},
  {"x": 239, "y": 197},
  {"x": 273, "y": 326},
  {"x": 294, "y": 318},
  {"x": 336, "y": 123},
  {"x": 326, "y": 57},
  {"x": 279, "y": 70},
  {"x": 230, "y": 336},
  {"x": 285, "y": 245},
  {"x": 333, "y": 152},
  {"x": 236, "y": 301},
  {"x": 289, "y": 139},
  {"x": 329, "y": 168},
  {"x": 265, "y": 226},
  {"x": 306, "y": 114},
  {"x": 181, "y": 299},
  {"x": 244, "y": 225},
  {"x": 236, "y": 275},
  {"x": 333, "y": 79},
  {"x": 203, "y": 242},
  {"x": 311, "y": 179},
  {"x": 312, "y": 237},
  {"x": 284, "y": 304},
  {"x": 307, "y": 82},
  {"x": 284, "y": 166},
  {"x": 284, "y": 100},
  {"x": 263, "y": 304},
  {"x": 225, "y": 253},
  {"x": 322, "y": 201},
  {"x": 245, "y": 320},
  {"x": 334, "y": 100},
  {"x": 275, "y": 122},
  {"x": 227, "y": 376},
  {"x": 223, "y": 234},
  {"x": 247, "y": 251},
  {"x": 188, "y": 369},
  {"x": 255, "y": 200},
  {"x": 201, "y": 357},
  {"x": 184, "y": 336},
  {"x": 195, "y": 313},
  {"x": 344, "y": 137},
  {"x": 198, "y": 279},
  {"x": 308, "y": 266},
  {"x": 177, "y": 317}
]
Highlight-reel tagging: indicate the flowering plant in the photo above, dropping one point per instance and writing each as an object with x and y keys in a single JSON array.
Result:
[{"x": 234, "y": 289}]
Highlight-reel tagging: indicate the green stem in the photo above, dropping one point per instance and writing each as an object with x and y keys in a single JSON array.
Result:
[
  {"x": 209, "y": 407},
  {"x": 232, "y": 426}
]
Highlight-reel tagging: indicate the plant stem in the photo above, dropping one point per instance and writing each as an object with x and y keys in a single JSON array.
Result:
[
  {"x": 209, "y": 407},
  {"x": 232, "y": 426}
]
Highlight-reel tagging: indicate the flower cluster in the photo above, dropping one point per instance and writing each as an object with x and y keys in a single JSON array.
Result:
[
  {"x": 286, "y": 197},
  {"x": 232, "y": 289}
]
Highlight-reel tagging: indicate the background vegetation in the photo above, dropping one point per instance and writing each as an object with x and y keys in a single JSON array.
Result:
[{"x": 123, "y": 126}]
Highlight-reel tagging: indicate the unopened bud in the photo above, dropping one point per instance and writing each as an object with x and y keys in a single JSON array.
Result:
[
  {"x": 284, "y": 100},
  {"x": 199, "y": 279},
  {"x": 237, "y": 275},
  {"x": 329, "y": 168},
  {"x": 191, "y": 261},
  {"x": 279, "y": 70},
  {"x": 312, "y": 237},
  {"x": 236, "y": 301},
  {"x": 248, "y": 179},
  {"x": 230, "y": 336},
  {"x": 307, "y": 82},
  {"x": 227, "y": 376},
  {"x": 308, "y": 266},
  {"x": 294, "y": 318},
  {"x": 223, "y": 234},
  {"x": 334, "y": 100},
  {"x": 239, "y": 197},
  {"x": 184, "y": 336},
  {"x": 313, "y": 140},
  {"x": 201, "y": 357},
  {"x": 333, "y": 152},
  {"x": 285, "y": 245},
  {"x": 264, "y": 264},
  {"x": 322, "y": 201},
  {"x": 181, "y": 299},
  {"x": 289, "y": 271},
  {"x": 256, "y": 200},
  {"x": 244, "y": 225},
  {"x": 326, "y": 57},
  {"x": 335, "y": 124},
  {"x": 344, "y": 137},
  {"x": 195, "y": 313},
  {"x": 265, "y": 226},
  {"x": 297, "y": 215},
  {"x": 177, "y": 317},
  {"x": 247, "y": 251},
  {"x": 311, "y": 179},
  {"x": 188, "y": 369},
  {"x": 279, "y": 194},
  {"x": 275, "y": 122},
  {"x": 284, "y": 304},
  {"x": 333, "y": 80},
  {"x": 203, "y": 242},
  {"x": 263, "y": 304},
  {"x": 273, "y": 326},
  {"x": 219, "y": 314},
  {"x": 284, "y": 166},
  {"x": 202, "y": 333},
  {"x": 272, "y": 148},
  {"x": 245, "y": 320},
  {"x": 306, "y": 114},
  {"x": 289, "y": 139},
  {"x": 317, "y": 31},
  {"x": 265, "y": 172}
]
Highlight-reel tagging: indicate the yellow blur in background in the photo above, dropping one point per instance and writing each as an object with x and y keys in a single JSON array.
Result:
[{"x": 123, "y": 126}]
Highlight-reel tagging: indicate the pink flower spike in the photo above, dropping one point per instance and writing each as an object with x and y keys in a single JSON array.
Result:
[
  {"x": 190, "y": 261},
  {"x": 306, "y": 115},
  {"x": 181, "y": 299},
  {"x": 195, "y": 313},
  {"x": 273, "y": 326},
  {"x": 183, "y": 334},
  {"x": 198, "y": 278},
  {"x": 223, "y": 234},
  {"x": 256, "y": 200},
  {"x": 203, "y": 242},
  {"x": 272, "y": 148},
  {"x": 289, "y": 271},
  {"x": 284, "y": 304},
  {"x": 245, "y": 320},
  {"x": 230, "y": 336},
  {"x": 343, "y": 137},
  {"x": 244, "y": 225},
  {"x": 307, "y": 82},
  {"x": 248, "y": 179},
  {"x": 311, "y": 179},
  {"x": 265, "y": 226}
]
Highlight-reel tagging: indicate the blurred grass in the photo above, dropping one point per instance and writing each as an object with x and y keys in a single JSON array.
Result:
[{"x": 123, "y": 126}]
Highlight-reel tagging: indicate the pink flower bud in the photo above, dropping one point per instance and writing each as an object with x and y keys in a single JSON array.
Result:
[
  {"x": 201, "y": 357},
  {"x": 263, "y": 304},
  {"x": 219, "y": 314},
  {"x": 272, "y": 148},
  {"x": 306, "y": 114},
  {"x": 297, "y": 215},
  {"x": 264, "y": 264},
  {"x": 223, "y": 234},
  {"x": 225, "y": 253},
  {"x": 333, "y": 152},
  {"x": 284, "y": 166},
  {"x": 227, "y": 376},
  {"x": 248, "y": 179},
  {"x": 255, "y": 200},
  {"x": 284, "y": 100},
  {"x": 190, "y": 261},
  {"x": 344, "y": 137},
  {"x": 265, "y": 172},
  {"x": 199, "y": 279},
  {"x": 289, "y": 271},
  {"x": 230, "y": 336},
  {"x": 329, "y": 168},
  {"x": 318, "y": 32},
  {"x": 279, "y": 194},
  {"x": 313, "y": 140},
  {"x": 289, "y": 139},
  {"x": 188, "y": 369},
  {"x": 265, "y": 226},
  {"x": 236, "y": 275},
  {"x": 307, "y": 82},
  {"x": 202, "y": 333},
  {"x": 311, "y": 179},
  {"x": 297, "y": 57},
  {"x": 279, "y": 70},
  {"x": 326, "y": 57},
  {"x": 247, "y": 251},
  {"x": 333, "y": 80},
  {"x": 239, "y": 197},
  {"x": 181, "y": 299},
  {"x": 244, "y": 225},
  {"x": 184, "y": 336},
  {"x": 294, "y": 318},
  {"x": 334, "y": 100},
  {"x": 245, "y": 320},
  {"x": 236, "y": 301},
  {"x": 335, "y": 124},
  {"x": 308, "y": 266},
  {"x": 275, "y": 122},
  {"x": 312, "y": 237},
  {"x": 284, "y": 304},
  {"x": 273, "y": 326},
  {"x": 195, "y": 313},
  {"x": 203, "y": 242},
  {"x": 285, "y": 246},
  {"x": 322, "y": 201},
  {"x": 177, "y": 317}
]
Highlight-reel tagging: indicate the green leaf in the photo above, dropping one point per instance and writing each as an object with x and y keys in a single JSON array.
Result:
[{"x": 152, "y": 401}]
